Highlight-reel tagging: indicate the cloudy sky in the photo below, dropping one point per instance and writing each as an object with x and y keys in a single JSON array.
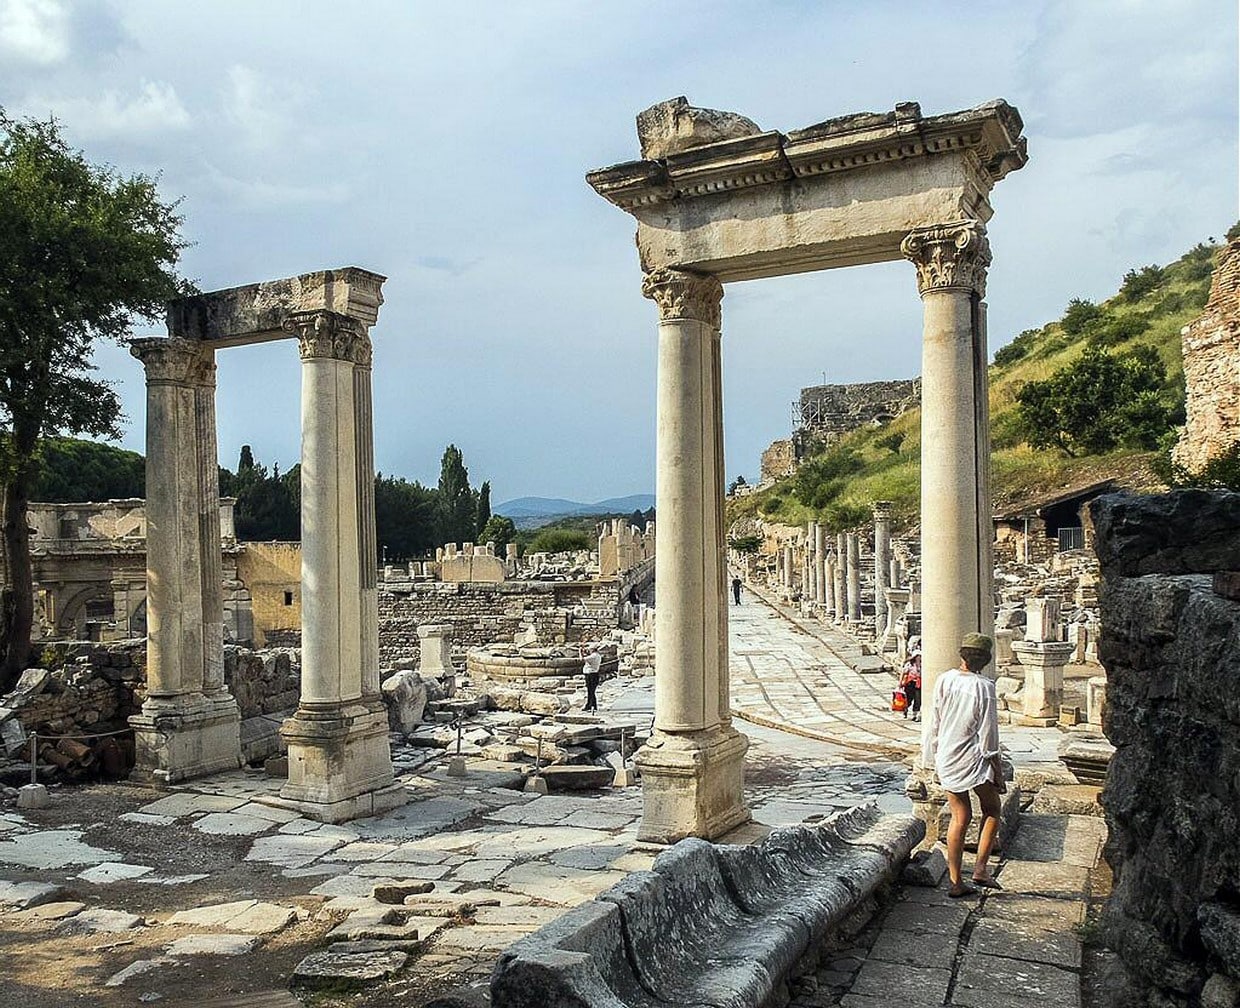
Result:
[{"x": 445, "y": 146}]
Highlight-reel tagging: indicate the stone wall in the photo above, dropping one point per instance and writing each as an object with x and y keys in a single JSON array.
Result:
[
  {"x": 96, "y": 689},
  {"x": 483, "y": 613},
  {"x": 272, "y": 573},
  {"x": 1211, "y": 349},
  {"x": 830, "y": 411},
  {"x": 263, "y": 682},
  {"x": 779, "y": 460},
  {"x": 1170, "y": 601}
]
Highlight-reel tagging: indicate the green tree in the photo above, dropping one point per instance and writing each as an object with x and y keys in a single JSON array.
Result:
[
  {"x": 892, "y": 442},
  {"x": 1079, "y": 316},
  {"x": 1098, "y": 403},
  {"x": 83, "y": 252},
  {"x": 72, "y": 470},
  {"x": 560, "y": 540},
  {"x": 458, "y": 507},
  {"x": 499, "y": 530},
  {"x": 483, "y": 510},
  {"x": 405, "y": 517},
  {"x": 1138, "y": 283},
  {"x": 268, "y": 505}
]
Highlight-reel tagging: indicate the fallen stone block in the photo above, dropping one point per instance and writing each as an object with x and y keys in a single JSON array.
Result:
[
  {"x": 926, "y": 868},
  {"x": 213, "y": 944},
  {"x": 347, "y": 971},
  {"x": 97, "y": 920},
  {"x": 24, "y": 895},
  {"x": 577, "y": 778}
]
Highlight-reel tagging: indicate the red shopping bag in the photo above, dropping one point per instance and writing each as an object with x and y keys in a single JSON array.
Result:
[{"x": 899, "y": 702}]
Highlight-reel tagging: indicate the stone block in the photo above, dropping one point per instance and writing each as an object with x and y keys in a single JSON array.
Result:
[
  {"x": 404, "y": 694},
  {"x": 347, "y": 971},
  {"x": 925, "y": 868},
  {"x": 33, "y": 796}
]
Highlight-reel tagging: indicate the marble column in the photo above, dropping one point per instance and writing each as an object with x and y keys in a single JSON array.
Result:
[
  {"x": 189, "y": 724},
  {"x": 340, "y": 764},
  {"x": 789, "y": 577},
  {"x": 896, "y": 574},
  {"x": 820, "y": 566},
  {"x": 841, "y": 577},
  {"x": 882, "y": 562},
  {"x": 854, "y": 576},
  {"x": 831, "y": 599},
  {"x": 956, "y": 555},
  {"x": 693, "y": 766}
]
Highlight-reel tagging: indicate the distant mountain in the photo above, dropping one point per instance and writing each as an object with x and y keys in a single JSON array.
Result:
[{"x": 530, "y": 512}]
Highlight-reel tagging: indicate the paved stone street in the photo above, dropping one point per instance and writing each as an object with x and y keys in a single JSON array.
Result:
[{"x": 158, "y": 890}]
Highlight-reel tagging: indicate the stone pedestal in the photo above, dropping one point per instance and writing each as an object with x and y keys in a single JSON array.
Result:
[
  {"x": 435, "y": 650},
  {"x": 1042, "y": 619},
  {"x": 1095, "y": 699},
  {"x": 897, "y": 605},
  {"x": 692, "y": 784},
  {"x": 956, "y": 533},
  {"x": 1042, "y": 694},
  {"x": 692, "y": 768}
]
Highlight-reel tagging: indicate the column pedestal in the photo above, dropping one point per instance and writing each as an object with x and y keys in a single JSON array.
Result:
[
  {"x": 691, "y": 784},
  {"x": 1042, "y": 694},
  {"x": 184, "y": 738}
]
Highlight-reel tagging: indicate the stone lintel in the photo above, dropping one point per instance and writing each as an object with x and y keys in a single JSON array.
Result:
[
  {"x": 255, "y": 313},
  {"x": 844, "y": 192}
]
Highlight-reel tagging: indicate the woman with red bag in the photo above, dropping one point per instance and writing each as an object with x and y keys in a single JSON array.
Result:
[{"x": 910, "y": 681}]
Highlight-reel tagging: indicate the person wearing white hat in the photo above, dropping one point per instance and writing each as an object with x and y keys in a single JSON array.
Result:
[{"x": 961, "y": 742}]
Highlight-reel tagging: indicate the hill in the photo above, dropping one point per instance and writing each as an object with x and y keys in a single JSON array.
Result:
[
  {"x": 533, "y": 512},
  {"x": 1139, "y": 327}
]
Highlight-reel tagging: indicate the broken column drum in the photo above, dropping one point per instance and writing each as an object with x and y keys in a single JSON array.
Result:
[{"x": 718, "y": 199}]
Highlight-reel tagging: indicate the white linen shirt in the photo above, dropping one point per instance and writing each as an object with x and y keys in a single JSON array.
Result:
[{"x": 961, "y": 735}]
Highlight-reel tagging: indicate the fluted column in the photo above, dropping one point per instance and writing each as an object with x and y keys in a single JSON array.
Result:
[
  {"x": 693, "y": 765},
  {"x": 340, "y": 764},
  {"x": 368, "y": 542},
  {"x": 956, "y": 554},
  {"x": 829, "y": 573},
  {"x": 820, "y": 563},
  {"x": 188, "y": 725},
  {"x": 882, "y": 562}
]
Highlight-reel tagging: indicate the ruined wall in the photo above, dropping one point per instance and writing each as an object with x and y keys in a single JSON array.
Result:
[
  {"x": 96, "y": 689},
  {"x": 263, "y": 682},
  {"x": 482, "y": 613},
  {"x": 778, "y": 461},
  {"x": 1170, "y": 601},
  {"x": 272, "y": 573},
  {"x": 830, "y": 411},
  {"x": 1211, "y": 348}
]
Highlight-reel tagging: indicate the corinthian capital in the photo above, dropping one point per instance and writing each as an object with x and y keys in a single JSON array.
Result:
[
  {"x": 172, "y": 361},
  {"x": 329, "y": 334},
  {"x": 949, "y": 256},
  {"x": 683, "y": 295}
]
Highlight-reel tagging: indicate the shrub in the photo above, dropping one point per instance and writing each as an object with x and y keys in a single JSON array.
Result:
[
  {"x": 1079, "y": 316},
  {"x": 1138, "y": 283}
]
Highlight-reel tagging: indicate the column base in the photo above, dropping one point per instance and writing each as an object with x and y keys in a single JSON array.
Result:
[
  {"x": 339, "y": 763},
  {"x": 179, "y": 738},
  {"x": 692, "y": 784}
]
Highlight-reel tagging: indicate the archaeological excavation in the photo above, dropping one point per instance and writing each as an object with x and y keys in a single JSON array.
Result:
[{"x": 933, "y": 708}]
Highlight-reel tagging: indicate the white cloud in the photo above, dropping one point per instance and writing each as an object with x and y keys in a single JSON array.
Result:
[
  {"x": 155, "y": 109},
  {"x": 258, "y": 192},
  {"x": 264, "y": 111},
  {"x": 34, "y": 31}
]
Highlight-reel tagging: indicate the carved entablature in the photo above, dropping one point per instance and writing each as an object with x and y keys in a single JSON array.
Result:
[
  {"x": 171, "y": 361},
  {"x": 684, "y": 295},
  {"x": 949, "y": 256},
  {"x": 329, "y": 334}
]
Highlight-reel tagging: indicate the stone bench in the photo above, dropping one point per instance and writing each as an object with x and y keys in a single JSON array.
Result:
[{"x": 709, "y": 925}]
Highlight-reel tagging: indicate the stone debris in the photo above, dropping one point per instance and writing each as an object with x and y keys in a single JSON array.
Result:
[
  {"x": 249, "y": 916},
  {"x": 26, "y": 895},
  {"x": 213, "y": 944},
  {"x": 95, "y": 920},
  {"x": 333, "y": 970}
]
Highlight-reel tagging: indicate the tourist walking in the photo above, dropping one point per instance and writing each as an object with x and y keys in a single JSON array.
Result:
[
  {"x": 736, "y": 591},
  {"x": 591, "y": 663},
  {"x": 961, "y": 742},
  {"x": 910, "y": 679}
]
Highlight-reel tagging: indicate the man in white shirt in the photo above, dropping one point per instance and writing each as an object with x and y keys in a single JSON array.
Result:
[
  {"x": 961, "y": 742},
  {"x": 591, "y": 663}
]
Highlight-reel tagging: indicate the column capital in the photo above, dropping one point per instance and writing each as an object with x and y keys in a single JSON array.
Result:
[
  {"x": 882, "y": 510},
  {"x": 684, "y": 295},
  {"x": 949, "y": 256},
  {"x": 173, "y": 361},
  {"x": 329, "y": 334}
]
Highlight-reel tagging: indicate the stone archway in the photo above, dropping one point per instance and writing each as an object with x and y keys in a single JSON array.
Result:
[
  {"x": 340, "y": 763},
  {"x": 717, "y": 199}
]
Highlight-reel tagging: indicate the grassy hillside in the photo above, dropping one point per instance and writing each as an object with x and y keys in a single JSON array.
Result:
[{"x": 839, "y": 484}]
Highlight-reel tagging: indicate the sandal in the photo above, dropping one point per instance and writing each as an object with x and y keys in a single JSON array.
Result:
[
  {"x": 960, "y": 891},
  {"x": 986, "y": 883}
]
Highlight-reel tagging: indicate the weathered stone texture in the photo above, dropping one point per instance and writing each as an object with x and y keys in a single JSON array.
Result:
[
  {"x": 1211, "y": 348},
  {"x": 1171, "y": 646},
  {"x": 834, "y": 410}
]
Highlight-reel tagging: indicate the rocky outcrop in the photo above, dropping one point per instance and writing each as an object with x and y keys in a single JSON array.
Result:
[{"x": 1171, "y": 647}]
